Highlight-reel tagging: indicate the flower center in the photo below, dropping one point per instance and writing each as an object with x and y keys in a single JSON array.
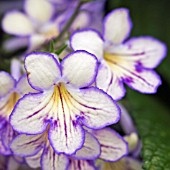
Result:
[{"x": 117, "y": 63}]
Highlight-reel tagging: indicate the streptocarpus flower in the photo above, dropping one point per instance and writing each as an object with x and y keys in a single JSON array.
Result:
[
  {"x": 36, "y": 24},
  {"x": 107, "y": 145},
  {"x": 10, "y": 91},
  {"x": 65, "y": 100},
  {"x": 130, "y": 62},
  {"x": 37, "y": 151}
]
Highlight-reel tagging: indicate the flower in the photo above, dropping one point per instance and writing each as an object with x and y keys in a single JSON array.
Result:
[
  {"x": 36, "y": 23},
  {"x": 130, "y": 62},
  {"x": 10, "y": 91},
  {"x": 106, "y": 144},
  {"x": 65, "y": 101}
]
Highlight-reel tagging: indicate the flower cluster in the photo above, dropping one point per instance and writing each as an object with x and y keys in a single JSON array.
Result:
[{"x": 57, "y": 103}]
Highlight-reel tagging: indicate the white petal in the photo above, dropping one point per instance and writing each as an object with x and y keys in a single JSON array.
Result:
[
  {"x": 90, "y": 149},
  {"x": 81, "y": 165},
  {"x": 96, "y": 108},
  {"x": 82, "y": 20},
  {"x": 153, "y": 50},
  {"x": 53, "y": 161},
  {"x": 35, "y": 42},
  {"x": 145, "y": 82},
  {"x": 117, "y": 26},
  {"x": 43, "y": 70},
  {"x": 40, "y": 10},
  {"x": 113, "y": 146},
  {"x": 32, "y": 111},
  {"x": 84, "y": 71},
  {"x": 23, "y": 87},
  {"x": 67, "y": 136},
  {"x": 34, "y": 161},
  {"x": 7, "y": 83},
  {"x": 88, "y": 40},
  {"x": 17, "y": 23},
  {"x": 109, "y": 82},
  {"x": 27, "y": 145}
]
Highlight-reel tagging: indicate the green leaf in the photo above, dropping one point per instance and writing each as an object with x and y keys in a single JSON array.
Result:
[{"x": 153, "y": 123}]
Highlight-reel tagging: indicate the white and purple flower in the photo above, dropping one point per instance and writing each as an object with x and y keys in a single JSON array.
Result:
[
  {"x": 65, "y": 101},
  {"x": 33, "y": 27},
  {"x": 10, "y": 91},
  {"x": 106, "y": 144},
  {"x": 130, "y": 62}
]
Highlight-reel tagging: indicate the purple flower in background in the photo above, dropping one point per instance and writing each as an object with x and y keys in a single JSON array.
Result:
[
  {"x": 87, "y": 17},
  {"x": 130, "y": 62},
  {"x": 33, "y": 27},
  {"x": 65, "y": 100}
]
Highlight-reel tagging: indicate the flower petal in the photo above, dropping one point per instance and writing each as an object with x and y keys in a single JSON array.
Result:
[
  {"x": 117, "y": 26},
  {"x": 23, "y": 87},
  {"x": 67, "y": 136},
  {"x": 27, "y": 145},
  {"x": 88, "y": 40},
  {"x": 81, "y": 165},
  {"x": 53, "y": 161},
  {"x": 35, "y": 42},
  {"x": 84, "y": 71},
  {"x": 34, "y": 161},
  {"x": 43, "y": 70},
  {"x": 126, "y": 121},
  {"x": 15, "y": 68},
  {"x": 132, "y": 72},
  {"x": 146, "y": 82},
  {"x": 15, "y": 43},
  {"x": 109, "y": 82},
  {"x": 113, "y": 146},
  {"x": 97, "y": 109},
  {"x": 40, "y": 10},
  {"x": 7, "y": 83},
  {"x": 90, "y": 149},
  {"x": 7, "y": 136},
  {"x": 152, "y": 49},
  {"x": 82, "y": 20},
  {"x": 31, "y": 110},
  {"x": 17, "y": 23},
  {"x": 3, "y": 149}
]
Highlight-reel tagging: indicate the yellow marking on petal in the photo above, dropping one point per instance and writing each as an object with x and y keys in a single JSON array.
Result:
[
  {"x": 7, "y": 108},
  {"x": 115, "y": 61},
  {"x": 121, "y": 65}
]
